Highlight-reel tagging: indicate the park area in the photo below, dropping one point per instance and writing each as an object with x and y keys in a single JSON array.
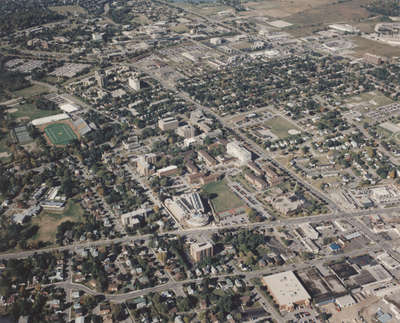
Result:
[
  {"x": 48, "y": 222},
  {"x": 222, "y": 198},
  {"x": 60, "y": 133},
  {"x": 281, "y": 127}
]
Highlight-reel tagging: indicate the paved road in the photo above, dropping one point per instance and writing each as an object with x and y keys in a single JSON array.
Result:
[
  {"x": 197, "y": 231},
  {"x": 119, "y": 298}
]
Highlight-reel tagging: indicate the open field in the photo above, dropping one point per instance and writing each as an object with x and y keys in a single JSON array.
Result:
[
  {"x": 29, "y": 111},
  {"x": 206, "y": 9},
  {"x": 367, "y": 102},
  {"x": 48, "y": 222},
  {"x": 31, "y": 91},
  {"x": 60, "y": 133},
  {"x": 373, "y": 47},
  {"x": 326, "y": 13},
  {"x": 280, "y": 126},
  {"x": 222, "y": 198},
  {"x": 281, "y": 8},
  {"x": 64, "y": 10}
]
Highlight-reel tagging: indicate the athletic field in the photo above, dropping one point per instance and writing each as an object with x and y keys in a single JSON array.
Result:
[{"x": 60, "y": 133}]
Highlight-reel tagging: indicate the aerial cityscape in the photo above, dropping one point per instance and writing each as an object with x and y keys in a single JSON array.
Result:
[{"x": 200, "y": 161}]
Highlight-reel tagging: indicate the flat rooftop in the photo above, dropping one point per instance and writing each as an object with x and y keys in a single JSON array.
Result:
[{"x": 286, "y": 288}]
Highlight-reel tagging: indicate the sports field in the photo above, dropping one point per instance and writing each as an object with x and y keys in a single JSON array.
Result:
[
  {"x": 60, "y": 133},
  {"x": 222, "y": 198}
]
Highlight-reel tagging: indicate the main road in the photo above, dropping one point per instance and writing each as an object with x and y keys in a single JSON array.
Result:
[{"x": 208, "y": 229}]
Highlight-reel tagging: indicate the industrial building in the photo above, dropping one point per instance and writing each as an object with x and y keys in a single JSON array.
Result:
[{"x": 286, "y": 290}]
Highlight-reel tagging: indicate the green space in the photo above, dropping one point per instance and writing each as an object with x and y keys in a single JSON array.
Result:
[
  {"x": 60, "y": 133},
  {"x": 30, "y": 111},
  {"x": 280, "y": 126},
  {"x": 222, "y": 198},
  {"x": 48, "y": 222},
  {"x": 65, "y": 10},
  {"x": 31, "y": 91},
  {"x": 365, "y": 45},
  {"x": 369, "y": 101}
]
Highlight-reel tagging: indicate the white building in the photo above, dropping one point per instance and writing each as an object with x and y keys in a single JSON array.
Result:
[
  {"x": 309, "y": 231},
  {"x": 168, "y": 124},
  {"x": 185, "y": 131},
  {"x": 189, "y": 209},
  {"x": 134, "y": 83},
  {"x": 236, "y": 150},
  {"x": 131, "y": 219}
]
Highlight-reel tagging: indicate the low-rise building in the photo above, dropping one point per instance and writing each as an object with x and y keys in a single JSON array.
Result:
[
  {"x": 207, "y": 158},
  {"x": 286, "y": 290},
  {"x": 168, "y": 171},
  {"x": 257, "y": 182}
]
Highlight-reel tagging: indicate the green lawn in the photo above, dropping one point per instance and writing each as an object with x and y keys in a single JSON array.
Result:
[
  {"x": 222, "y": 198},
  {"x": 31, "y": 91},
  {"x": 280, "y": 126},
  {"x": 60, "y": 133},
  {"x": 369, "y": 101},
  {"x": 30, "y": 111}
]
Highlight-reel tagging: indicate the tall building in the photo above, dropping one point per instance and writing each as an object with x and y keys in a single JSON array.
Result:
[
  {"x": 168, "y": 124},
  {"x": 236, "y": 150},
  {"x": 100, "y": 78},
  {"x": 185, "y": 131},
  {"x": 143, "y": 167},
  {"x": 200, "y": 251},
  {"x": 134, "y": 83}
]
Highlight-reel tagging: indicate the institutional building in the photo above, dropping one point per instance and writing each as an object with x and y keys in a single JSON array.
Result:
[
  {"x": 236, "y": 150},
  {"x": 286, "y": 290},
  {"x": 168, "y": 124}
]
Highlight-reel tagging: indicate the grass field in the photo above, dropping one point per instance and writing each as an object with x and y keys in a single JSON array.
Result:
[
  {"x": 373, "y": 47},
  {"x": 48, "y": 222},
  {"x": 224, "y": 199},
  {"x": 280, "y": 126},
  {"x": 60, "y": 133},
  {"x": 326, "y": 12},
  {"x": 367, "y": 102},
  {"x": 31, "y": 112},
  {"x": 31, "y": 91},
  {"x": 65, "y": 10}
]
